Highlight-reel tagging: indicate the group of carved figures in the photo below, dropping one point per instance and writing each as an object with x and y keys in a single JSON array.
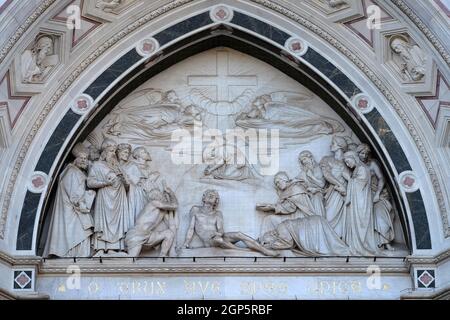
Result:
[
  {"x": 339, "y": 206},
  {"x": 109, "y": 201}
]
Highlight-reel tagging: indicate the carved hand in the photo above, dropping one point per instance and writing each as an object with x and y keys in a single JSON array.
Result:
[
  {"x": 111, "y": 178},
  {"x": 265, "y": 207},
  {"x": 376, "y": 198},
  {"x": 313, "y": 190},
  {"x": 91, "y": 193},
  {"x": 310, "y": 174},
  {"x": 341, "y": 190}
]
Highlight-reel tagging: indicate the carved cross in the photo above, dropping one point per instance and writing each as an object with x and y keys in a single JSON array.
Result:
[{"x": 222, "y": 80}]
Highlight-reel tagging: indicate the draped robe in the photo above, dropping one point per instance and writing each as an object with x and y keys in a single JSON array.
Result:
[
  {"x": 293, "y": 203},
  {"x": 137, "y": 197},
  {"x": 384, "y": 227},
  {"x": 310, "y": 236},
  {"x": 111, "y": 208},
  {"x": 334, "y": 200},
  {"x": 71, "y": 227},
  {"x": 316, "y": 198},
  {"x": 359, "y": 219}
]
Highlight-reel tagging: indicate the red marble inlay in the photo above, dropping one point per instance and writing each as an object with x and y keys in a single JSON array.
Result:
[
  {"x": 147, "y": 47},
  {"x": 296, "y": 46},
  {"x": 426, "y": 279},
  {"x": 363, "y": 103},
  {"x": 409, "y": 182},
  {"x": 221, "y": 14},
  {"x": 38, "y": 182},
  {"x": 23, "y": 279},
  {"x": 82, "y": 104}
]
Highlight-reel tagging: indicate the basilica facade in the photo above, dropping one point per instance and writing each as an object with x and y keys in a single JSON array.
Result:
[{"x": 235, "y": 149}]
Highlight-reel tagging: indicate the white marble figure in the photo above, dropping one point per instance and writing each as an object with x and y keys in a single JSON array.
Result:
[
  {"x": 384, "y": 221},
  {"x": 378, "y": 184},
  {"x": 222, "y": 163},
  {"x": 359, "y": 220},
  {"x": 294, "y": 202},
  {"x": 140, "y": 180},
  {"x": 287, "y": 112},
  {"x": 334, "y": 169},
  {"x": 123, "y": 154},
  {"x": 310, "y": 236},
  {"x": 111, "y": 205},
  {"x": 220, "y": 114},
  {"x": 94, "y": 155},
  {"x": 155, "y": 224},
  {"x": 72, "y": 224},
  {"x": 412, "y": 57},
  {"x": 311, "y": 177},
  {"x": 207, "y": 224},
  {"x": 383, "y": 209},
  {"x": 151, "y": 116},
  {"x": 257, "y": 109},
  {"x": 38, "y": 62},
  {"x": 107, "y": 5}
]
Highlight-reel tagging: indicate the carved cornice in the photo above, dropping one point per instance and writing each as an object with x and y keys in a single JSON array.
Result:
[
  {"x": 20, "y": 260},
  {"x": 425, "y": 30},
  {"x": 442, "y": 257},
  {"x": 24, "y": 27},
  {"x": 383, "y": 89},
  {"x": 439, "y": 294},
  {"x": 218, "y": 265},
  {"x": 6, "y": 258},
  {"x": 7, "y": 295}
]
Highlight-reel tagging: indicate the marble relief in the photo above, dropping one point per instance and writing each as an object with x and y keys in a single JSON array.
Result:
[
  {"x": 335, "y": 3},
  {"x": 327, "y": 196},
  {"x": 107, "y": 5},
  {"x": 332, "y": 6},
  {"x": 40, "y": 59},
  {"x": 409, "y": 58}
]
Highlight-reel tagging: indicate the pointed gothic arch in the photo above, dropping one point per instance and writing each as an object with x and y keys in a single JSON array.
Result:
[{"x": 335, "y": 84}]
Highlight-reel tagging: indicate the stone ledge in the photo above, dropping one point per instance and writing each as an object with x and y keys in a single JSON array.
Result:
[
  {"x": 241, "y": 265},
  {"x": 437, "y": 294},
  {"x": 7, "y": 295}
]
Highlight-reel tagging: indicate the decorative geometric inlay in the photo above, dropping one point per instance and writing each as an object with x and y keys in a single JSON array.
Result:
[
  {"x": 221, "y": 14},
  {"x": 82, "y": 104},
  {"x": 22, "y": 280},
  {"x": 147, "y": 47},
  {"x": 14, "y": 104},
  {"x": 87, "y": 25},
  {"x": 296, "y": 46},
  {"x": 426, "y": 278},
  {"x": 409, "y": 182},
  {"x": 432, "y": 104},
  {"x": 363, "y": 103},
  {"x": 38, "y": 182},
  {"x": 359, "y": 26}
]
